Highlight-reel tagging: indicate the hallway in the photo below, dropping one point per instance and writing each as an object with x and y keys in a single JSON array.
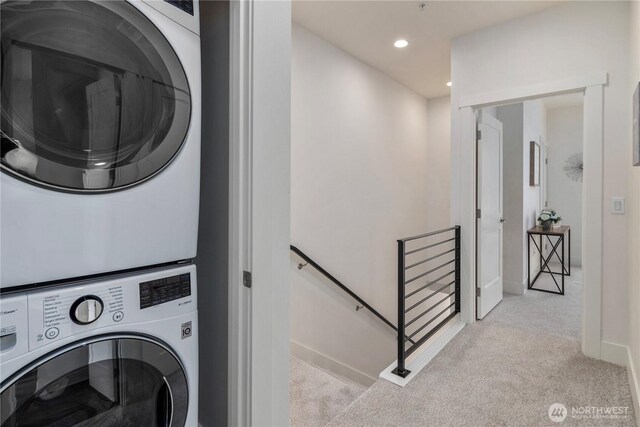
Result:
[{"x": 505, "y": 370}]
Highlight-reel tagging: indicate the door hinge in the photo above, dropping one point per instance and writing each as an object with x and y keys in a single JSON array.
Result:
[
  {"x": 478, "y": 213},
  {"x": 478, "y": 134},
  {"x": 247, "y": 279},
  {"x": 478, "y": 292}
]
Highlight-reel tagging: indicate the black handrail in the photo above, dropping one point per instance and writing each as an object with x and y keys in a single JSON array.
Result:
[{"x": 339, "y": 284}]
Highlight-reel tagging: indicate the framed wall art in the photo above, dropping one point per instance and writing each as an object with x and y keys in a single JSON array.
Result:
[
  {"x": 534, "y": 164},
  {"x": 636, "y": 126}
]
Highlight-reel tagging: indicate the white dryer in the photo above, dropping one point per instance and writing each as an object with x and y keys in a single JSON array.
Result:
[
  {"x": 122, "y": 352},
  {"x": 100, "y": 122}
]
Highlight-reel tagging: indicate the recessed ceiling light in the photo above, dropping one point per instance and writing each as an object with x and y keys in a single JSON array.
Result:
[
  {"x": 449, "y": 84},
  {"x": 100, "y": 164},
  {"x": 401, "y": 43}
]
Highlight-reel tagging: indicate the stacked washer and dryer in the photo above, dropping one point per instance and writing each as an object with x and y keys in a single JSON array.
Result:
[{"x": 99, "y": 194}]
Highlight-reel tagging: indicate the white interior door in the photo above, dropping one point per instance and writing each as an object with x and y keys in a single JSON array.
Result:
[{"x": 489, "y": 225}]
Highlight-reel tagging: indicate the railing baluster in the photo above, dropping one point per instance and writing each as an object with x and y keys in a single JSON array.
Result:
[
  {"x": 428, "y": 310},
  {"x": 437, "y": 291},
  {"x": 457, "y": 269},
  {"x": 430, "y": 283},
  {"x": 400, "y": 369},
  {"x": 429, "y": 259},
  {"x": 430, "y": 246},
  {"x": 422, "y": 334}
]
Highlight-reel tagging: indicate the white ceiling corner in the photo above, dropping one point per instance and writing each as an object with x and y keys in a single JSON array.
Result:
[{"x": 367, "y": 29}]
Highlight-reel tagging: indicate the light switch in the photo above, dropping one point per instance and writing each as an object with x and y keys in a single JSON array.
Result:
[{"x": 617, "y": 205}]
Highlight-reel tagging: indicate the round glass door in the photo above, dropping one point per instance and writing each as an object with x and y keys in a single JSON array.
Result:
[
  {"x": 107, "y": 382},
  {"x": 93, "y": 96}
]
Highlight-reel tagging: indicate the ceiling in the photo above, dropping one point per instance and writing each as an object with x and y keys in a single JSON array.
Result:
[{"x": 367, "y": 30}]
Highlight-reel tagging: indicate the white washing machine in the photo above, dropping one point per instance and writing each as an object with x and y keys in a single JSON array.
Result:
[
  {"x": 121, "y": 352},
  {"x": 100, "y": 124}
]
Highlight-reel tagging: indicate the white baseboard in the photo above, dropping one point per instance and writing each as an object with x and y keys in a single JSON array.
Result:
[
  {"x": 634, "y": 383},
  {"x": 426, "y": 354},
  {"x": 614, "y": 353},
  {"x": 326, "y": 363}
]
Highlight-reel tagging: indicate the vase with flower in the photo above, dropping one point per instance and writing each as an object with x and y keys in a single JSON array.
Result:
[{"x": 548, "y": 218}]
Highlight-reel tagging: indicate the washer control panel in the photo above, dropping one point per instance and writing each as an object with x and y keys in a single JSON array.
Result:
[{"x": 62, "y": 311}]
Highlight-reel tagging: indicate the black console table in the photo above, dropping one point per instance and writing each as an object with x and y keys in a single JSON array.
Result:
[{"x": 559, "y": 233}]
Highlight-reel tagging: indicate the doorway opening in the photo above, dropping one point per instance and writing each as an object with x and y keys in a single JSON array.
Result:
[{"x": 529, "y": 208}]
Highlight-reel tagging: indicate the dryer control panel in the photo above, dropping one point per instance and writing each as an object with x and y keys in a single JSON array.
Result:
[{"x": 59, "y": 312}]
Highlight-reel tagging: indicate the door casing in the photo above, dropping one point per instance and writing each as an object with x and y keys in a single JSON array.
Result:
[
  {"x": 260, "y": 113},
  {"x": 464, "y": 197}
]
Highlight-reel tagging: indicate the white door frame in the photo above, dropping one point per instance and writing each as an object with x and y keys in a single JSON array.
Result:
[
  {"x": 260, "y": 115},
  {"x": 464, "y": 197},
  {"x": 239, "y": 351}
]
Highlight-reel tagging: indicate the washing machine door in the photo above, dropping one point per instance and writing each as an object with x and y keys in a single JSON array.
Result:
[
  {"x": 94, "y": 98},
  {"x": 115, "y": 381}
]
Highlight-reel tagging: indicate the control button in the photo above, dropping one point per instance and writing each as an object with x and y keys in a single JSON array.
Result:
[
  {"x": 118, "y": 316},
  {"x": 52, "y": 333},
  {"x": 86, "y": 310}
]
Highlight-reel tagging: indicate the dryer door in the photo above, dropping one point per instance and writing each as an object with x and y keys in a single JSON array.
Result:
[
  {"x": 94, "y": 98},
  {"x": 115, "y": 381}
]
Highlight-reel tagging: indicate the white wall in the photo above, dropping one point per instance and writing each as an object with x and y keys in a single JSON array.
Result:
[
  {"x": 634, "y": 218},
  {"x": 534, "y": 128},
  {"x": 559, "y": 43},
  {"x": 564, "y": 139},
  {"x": 522, "y": 122},
  {"x": 438, "y": 162},
  {"x": 359, "y": 182},
  {"x": 511, "y": 117}
]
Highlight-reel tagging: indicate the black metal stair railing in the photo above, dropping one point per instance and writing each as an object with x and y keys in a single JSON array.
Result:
[
  {"x": 307, "y": 259},
  {"x": 430, "y": 297}
]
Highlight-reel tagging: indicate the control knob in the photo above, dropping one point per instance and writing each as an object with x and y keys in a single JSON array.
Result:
[{"x": 86, "y": 310}]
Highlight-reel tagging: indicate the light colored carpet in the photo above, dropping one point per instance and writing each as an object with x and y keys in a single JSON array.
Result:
[
  {"x": 315, "y": 396},
  {"x": 505, "y": 370},
  {"x": 541, "y": 312}
]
